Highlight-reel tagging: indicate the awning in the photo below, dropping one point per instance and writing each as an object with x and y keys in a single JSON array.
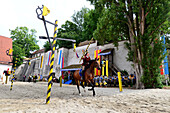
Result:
[
  {"x": 71, "y": 67},
  {"x": 106, "y": 51}
]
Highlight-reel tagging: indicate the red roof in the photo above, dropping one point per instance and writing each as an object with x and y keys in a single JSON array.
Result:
[
  {"x": 5, "y": 44},
  {"x": 39, "y": 51}
]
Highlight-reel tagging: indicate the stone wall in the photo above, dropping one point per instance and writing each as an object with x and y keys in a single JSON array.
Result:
[{"x": 119, "y": 58}]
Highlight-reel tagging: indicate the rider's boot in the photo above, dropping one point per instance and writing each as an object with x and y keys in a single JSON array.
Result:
[{"x": 82, "y": 77}]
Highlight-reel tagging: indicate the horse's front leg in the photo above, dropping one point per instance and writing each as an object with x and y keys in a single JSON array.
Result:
[
  {"x": 78, "y": 83},
  {"x": 82, "y": 84},
  {"x": 92, "y": 84}
]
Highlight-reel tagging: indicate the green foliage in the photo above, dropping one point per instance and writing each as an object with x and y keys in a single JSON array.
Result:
[
  {"x": 140, "y": 22},
  {"x": 81, "y": 29},
  {"x": 151, "y": 65},
  {"x": 69, "y": 31},
  {"x": 167, "y": 39},
  {"x": 47, "y": 46},
  {"x": 90, "y": 24},
  {"x": 111, "y": 27},
  {"x": 24, "y": 41}
]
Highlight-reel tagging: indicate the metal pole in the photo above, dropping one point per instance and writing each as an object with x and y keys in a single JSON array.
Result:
[
  {"x": 13, "y": 74},
  {"x": 43, "y": 18},
  {"x": 51, "y": 66},
  {"x": 86, "y": 49}
]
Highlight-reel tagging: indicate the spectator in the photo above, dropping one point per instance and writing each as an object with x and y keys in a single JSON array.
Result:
[
  {"x": 29, "y": 78},
  {"x": 24, "y": 77}
]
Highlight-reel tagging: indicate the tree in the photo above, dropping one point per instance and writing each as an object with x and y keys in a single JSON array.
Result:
[
  {"x": 47, "y": 46},
  {"x": 81, "y": 29},
  {"x": 90, "y": 24},
  {"x": 24, "y": 41},
  {"x": 70, "y": 31},
  {"x": 78, "y": 18},
  {"x": 139, "y": 21}
]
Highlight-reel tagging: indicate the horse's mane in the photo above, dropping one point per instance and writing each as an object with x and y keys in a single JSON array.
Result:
[{"x": 90, "y": 62}]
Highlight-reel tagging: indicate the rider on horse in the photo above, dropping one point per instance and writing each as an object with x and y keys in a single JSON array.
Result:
[{"x": 86, "y": 59}]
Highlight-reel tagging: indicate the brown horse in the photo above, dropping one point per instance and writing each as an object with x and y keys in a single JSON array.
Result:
[{"x": 88, "y": 75}]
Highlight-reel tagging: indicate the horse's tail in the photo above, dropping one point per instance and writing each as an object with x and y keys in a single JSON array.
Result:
[{"x": 73, "y": 78}]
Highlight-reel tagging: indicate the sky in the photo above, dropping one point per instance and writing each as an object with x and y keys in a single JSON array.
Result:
[{"x": 17, "y": 13}]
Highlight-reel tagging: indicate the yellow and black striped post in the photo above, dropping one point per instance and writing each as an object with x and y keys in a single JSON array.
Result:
[
  {"x": 86, "y": 49},
  {"x": 51, "y": 65},
  {"x": 12, "y": 80}
]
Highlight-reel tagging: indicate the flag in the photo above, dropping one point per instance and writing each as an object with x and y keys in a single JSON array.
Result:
[
  {"x": 59, "y": 57},
  {"x": 45, "y": 11},
  {"x": 10, "y": 51},
  {"x": 77, "y": 55},
  {"x": 48, "y": 60},
  {"x": 41, "y": 61},
  {"x": 74, "y": 45}
]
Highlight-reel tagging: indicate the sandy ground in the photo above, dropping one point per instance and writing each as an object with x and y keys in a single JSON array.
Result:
[{"x": 30, "y": 98}]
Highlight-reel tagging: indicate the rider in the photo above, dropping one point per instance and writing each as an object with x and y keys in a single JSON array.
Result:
[{"x": 86, "y": 59}]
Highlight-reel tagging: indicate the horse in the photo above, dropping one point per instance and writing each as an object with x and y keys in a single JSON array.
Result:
[{"x": 88, "y": 76}]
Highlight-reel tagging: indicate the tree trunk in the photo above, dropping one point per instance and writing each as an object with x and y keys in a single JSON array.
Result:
[
  {"x": 136, "y": 61},
  {"x": 138, "y": 73}
]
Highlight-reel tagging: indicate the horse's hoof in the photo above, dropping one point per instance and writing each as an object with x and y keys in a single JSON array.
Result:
[
  {"x": 84, "y": 90},
  {"x": 80, "y": 94}
]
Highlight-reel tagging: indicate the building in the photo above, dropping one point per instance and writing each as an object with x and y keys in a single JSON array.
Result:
[
  {"x": 5, "y": 44},
  {"x": 64, "y": 57},
  {"x": 37, "y": 53}
]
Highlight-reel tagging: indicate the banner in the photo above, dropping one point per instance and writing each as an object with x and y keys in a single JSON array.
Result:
[
  {"x": 41, "y": 61},
  {"x": 59, "y": 57},
  {"x": 49, "y": 56},
  {"x": 96, "y": 52}
]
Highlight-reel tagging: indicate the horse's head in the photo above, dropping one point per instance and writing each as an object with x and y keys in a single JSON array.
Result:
[{"x": 97, "y": 64}]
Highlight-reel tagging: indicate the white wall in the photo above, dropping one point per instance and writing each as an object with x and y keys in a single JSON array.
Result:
[
  {"x": 72, "y": 58},
  {"x": 119, "y": 58},
  {"x": 119, "y": 55},
  {"x": 2, "y": 68}
]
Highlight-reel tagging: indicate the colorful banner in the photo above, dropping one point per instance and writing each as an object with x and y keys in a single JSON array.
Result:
[
  {"x": 62, "y": 66},
  {"x": 96, "y": 57},
  {"x": 166, "y": 69},
  {"x": 59, "y": 57},
  {"x": 107, "y": 70},
  {"x": 103, "y": 68},
  {"x": 48, "y": 60},
  {"x": 99, "y": 57},
  {"x": 41, "y": 61},
  {"x": 74, "y": 46},
  {"x": 96, "y": 71},
  {"x": 77, "y": 55}
]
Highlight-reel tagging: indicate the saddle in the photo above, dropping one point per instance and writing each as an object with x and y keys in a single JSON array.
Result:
[{"x": 80, "y": 72}]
